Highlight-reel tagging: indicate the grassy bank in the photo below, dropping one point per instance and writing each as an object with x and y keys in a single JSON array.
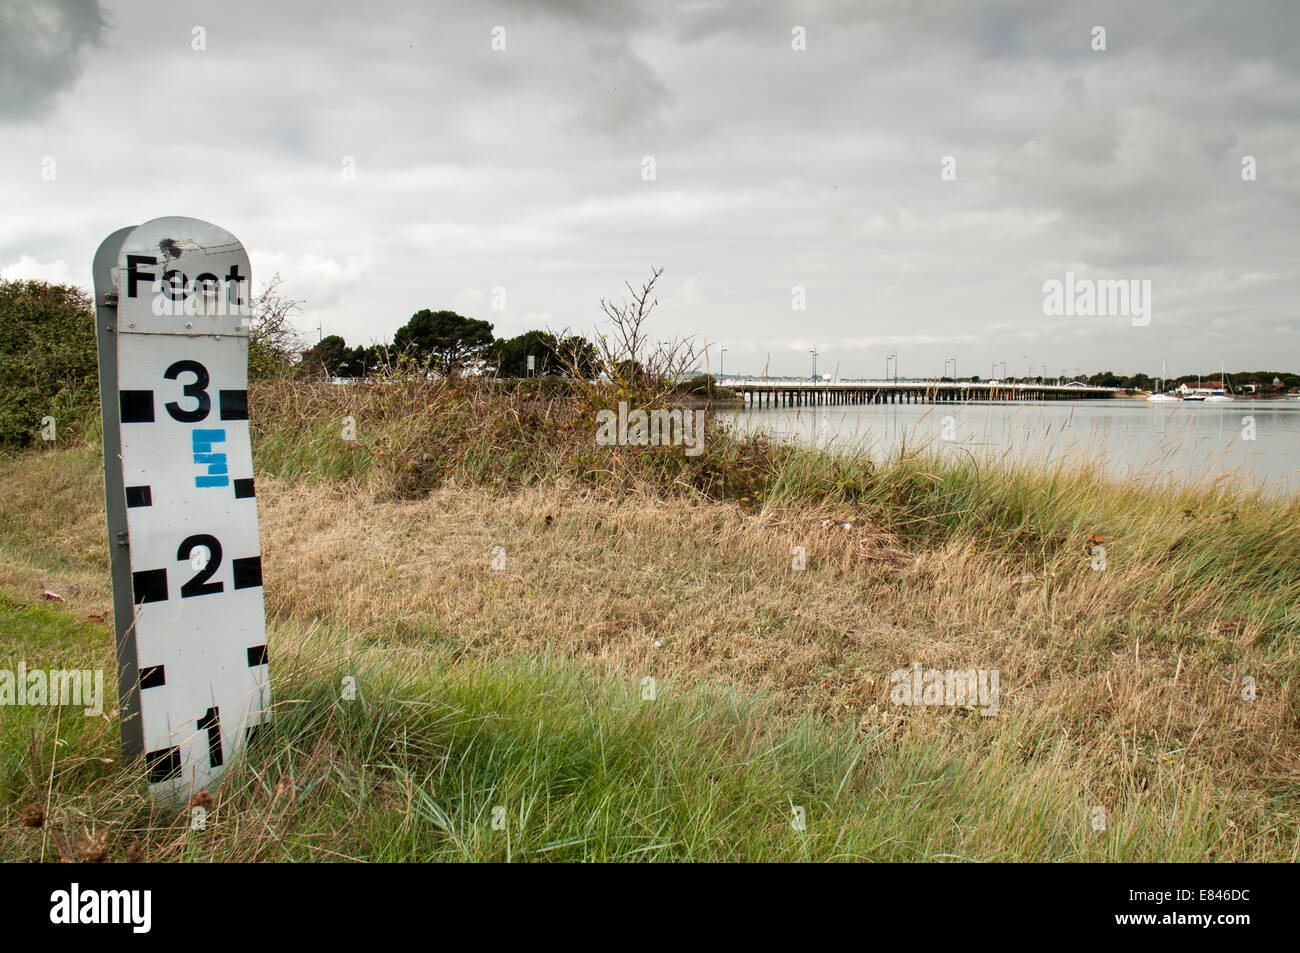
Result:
[{"x": 523, "y": 688}]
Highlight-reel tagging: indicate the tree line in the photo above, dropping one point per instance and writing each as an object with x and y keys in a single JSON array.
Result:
[
  {"x": 1263, "y": 381},
  {"x": 448, "y": 343},
  {"x": 48, "y": 366}
]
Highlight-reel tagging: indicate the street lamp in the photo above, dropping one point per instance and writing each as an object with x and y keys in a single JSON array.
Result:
[
  {"x": 813, "y": 352},
  {"x": 893, "y": 356},
  {"x": 721, "y": 358}
]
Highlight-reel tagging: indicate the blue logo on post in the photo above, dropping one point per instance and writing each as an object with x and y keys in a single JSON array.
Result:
[{"x": 218, "y": 474}]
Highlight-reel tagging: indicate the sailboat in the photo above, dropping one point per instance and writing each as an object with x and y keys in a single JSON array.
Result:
[
  {"x": 1160, "y": 394},
  {"x": 1220, "y": 394}
]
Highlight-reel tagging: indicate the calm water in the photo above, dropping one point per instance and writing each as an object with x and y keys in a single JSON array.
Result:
[{"x": 1185, "y": 442}]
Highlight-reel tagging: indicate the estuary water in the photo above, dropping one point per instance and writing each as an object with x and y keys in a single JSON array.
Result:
[{"x": 1242, "y": 442}]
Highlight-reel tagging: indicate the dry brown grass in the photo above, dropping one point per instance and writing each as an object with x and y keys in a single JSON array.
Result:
[
  {"x": 696, "y": 590},
  {"x": 692, "y": 591},
  {"x": 52, "y": 528}
]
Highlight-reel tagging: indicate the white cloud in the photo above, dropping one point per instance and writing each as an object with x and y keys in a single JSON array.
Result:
[
  {"x": 523, "y": 168},
  {"x": 28, "y": 267}
]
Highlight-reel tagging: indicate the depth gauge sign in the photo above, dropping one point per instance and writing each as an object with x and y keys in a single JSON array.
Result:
[{"x": 172, "y": 310}]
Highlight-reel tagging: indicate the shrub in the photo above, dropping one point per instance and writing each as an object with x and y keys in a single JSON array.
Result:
[{"x": 47, "y": 361}]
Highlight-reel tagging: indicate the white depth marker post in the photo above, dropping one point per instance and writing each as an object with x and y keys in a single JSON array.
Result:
[{"x": 172, "y": 310}]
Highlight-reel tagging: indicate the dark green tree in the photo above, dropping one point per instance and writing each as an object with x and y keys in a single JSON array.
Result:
[
  {"x": 1106, "y": 379},
  {"x": 327, "y": 357},
  {"x": 579, "y": 357},
  {"x": 447, "y": 340},
  {"x": 365, "y": 360},
  {"x": 510, "y": 355},
  {"x": 573, "y": 354}
]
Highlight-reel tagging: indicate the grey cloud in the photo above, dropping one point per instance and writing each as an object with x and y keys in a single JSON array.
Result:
[
  {"x": 41, "y": 47},
  {"x": 619, "y": 15},
  {"x": 521, "y": 168},
  {"x": 624, "y": 94}
]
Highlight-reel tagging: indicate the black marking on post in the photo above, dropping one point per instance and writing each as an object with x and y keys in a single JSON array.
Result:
[
  {"x": 163, "y": 764},
  {"x": 153, "y": 677},
  {"x": 234, "y": 404},
  {"x": 149, "y": 585},
  {"x": 139, "y": 496},
  {"x": 244, "y": 488},
  {"x": 257, "y": 656},
  {"x": 135, "y": 406},
  {"x": 211, "y": 722},
  {"x": 248, "y": 572},
  {"x": 253, "y": 732}
]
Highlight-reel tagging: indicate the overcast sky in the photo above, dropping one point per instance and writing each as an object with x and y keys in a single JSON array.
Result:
[{"x": 524, "y": 169}]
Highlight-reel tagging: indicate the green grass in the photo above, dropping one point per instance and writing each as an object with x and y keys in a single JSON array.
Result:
[
  {"x": 59, "y": 637},
  {"x": 585, "y": 769},
  {"x": 1172, "y": 551},
  {"x": 1125, "y": 691}
]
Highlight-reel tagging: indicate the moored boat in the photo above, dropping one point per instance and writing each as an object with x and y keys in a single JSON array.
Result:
[{"x": 1159, "y": 394}]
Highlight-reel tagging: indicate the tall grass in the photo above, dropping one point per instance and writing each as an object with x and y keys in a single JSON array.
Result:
[
  {"x": 1165, "y": 542},
  {"x": 405, "y": 437},
  {"x": 533, "y": 760},
  {"x": 522, "y": 690}
]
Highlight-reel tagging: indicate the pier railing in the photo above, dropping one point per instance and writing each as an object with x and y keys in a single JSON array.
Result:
[{"x": 777, "y": 393}]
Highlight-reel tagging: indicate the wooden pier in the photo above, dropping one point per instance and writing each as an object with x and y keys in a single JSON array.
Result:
[{"x": 793, "y": 393}]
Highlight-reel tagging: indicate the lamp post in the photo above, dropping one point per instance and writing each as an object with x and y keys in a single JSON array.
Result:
[
  {"x": 813, "y": 352},
  {"x": 893, "y": 356},
  {"x": 721, "y": 358}
]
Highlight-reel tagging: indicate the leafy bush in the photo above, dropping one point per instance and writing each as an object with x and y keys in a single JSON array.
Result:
[
  {"x": 702, "y": 385},
  {"x": 47, "y": 361},
  {"x": 274, "y": 345}
]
